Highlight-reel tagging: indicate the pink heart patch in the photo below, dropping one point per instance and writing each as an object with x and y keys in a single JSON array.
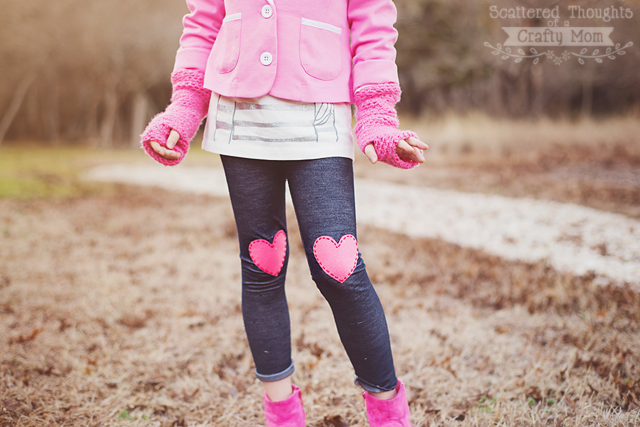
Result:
[
  {"x": 269, "y": 257},
  {"x": 338, "y": 260}
]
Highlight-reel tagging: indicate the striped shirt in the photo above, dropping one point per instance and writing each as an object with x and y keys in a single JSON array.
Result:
[{"x": 271, "y": 128}]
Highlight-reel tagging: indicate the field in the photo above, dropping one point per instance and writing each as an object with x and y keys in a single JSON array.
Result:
[{"x": 119, "y": 305}]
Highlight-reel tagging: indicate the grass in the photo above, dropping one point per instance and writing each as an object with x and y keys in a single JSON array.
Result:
[
  {"x": 122, "y": 307},
  {"x": 30, "y": 170},
  {"x": 108, "y": 318}
]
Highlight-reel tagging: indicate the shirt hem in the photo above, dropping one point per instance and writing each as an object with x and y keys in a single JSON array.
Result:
[{"x": 322, "y": 153}]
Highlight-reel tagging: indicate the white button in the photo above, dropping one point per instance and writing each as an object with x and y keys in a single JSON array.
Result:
[
  {"x": 266, "y": 58},
  {"x": 267, "y": 11}
]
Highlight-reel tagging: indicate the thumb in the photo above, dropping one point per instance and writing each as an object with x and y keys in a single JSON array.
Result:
[
  {"x": 173, "y": 139},
  {"x": 371, "y": 154}
]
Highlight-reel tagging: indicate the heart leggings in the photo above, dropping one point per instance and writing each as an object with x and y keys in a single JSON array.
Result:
[{"x": 322, "y": 191}]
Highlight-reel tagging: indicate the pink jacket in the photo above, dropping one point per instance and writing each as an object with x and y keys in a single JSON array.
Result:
[{"x": 303, "y": 50}]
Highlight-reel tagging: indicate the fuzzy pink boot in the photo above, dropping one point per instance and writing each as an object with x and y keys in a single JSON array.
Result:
[
  {"x": 286, "y": 413},
  {"x": 393, "y": 412},
  {"x": 378, "y": 122},
  {"x": 189, "y": 105}
]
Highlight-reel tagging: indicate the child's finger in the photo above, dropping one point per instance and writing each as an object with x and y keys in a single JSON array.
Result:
[
  {"x": 415, "y": 142},
  {"x": 171, "y": 155},
  {"x": 404, "y": 146},
  {"x": 167, "y": 154},
  {"x": 173, "y": 139},
  {"x": 371, "y": 154},
  {"x": 156, "y": 147},
  {"x": 414, "y": 155}
]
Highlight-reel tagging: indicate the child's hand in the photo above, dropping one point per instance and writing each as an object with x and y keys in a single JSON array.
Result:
[
  {"x": 168, "y": 153},
  {"x": 409, "y": 150},
  {"x": 166, "y": 138}
]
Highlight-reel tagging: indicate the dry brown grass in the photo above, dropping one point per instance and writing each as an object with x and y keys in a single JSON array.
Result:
[
  {"x": 129, "y": 301},
  {"x": 476, "y": 138}
]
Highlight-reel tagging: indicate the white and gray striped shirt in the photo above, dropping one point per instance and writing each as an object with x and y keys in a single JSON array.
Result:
[{"x": 271, "y": 128}]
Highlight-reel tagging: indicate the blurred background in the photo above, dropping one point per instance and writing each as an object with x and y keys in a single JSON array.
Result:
[{"x": 94, "y": 72}]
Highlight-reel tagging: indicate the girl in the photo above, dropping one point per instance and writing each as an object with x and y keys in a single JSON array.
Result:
[{"x": 283, "y": 74}]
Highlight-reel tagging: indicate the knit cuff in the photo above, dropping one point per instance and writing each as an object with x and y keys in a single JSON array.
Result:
[
  {"x": 193, "y": 82},
  {"x": 375, "y": 94}
]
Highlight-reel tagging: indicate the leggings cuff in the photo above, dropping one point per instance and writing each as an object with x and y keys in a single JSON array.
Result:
[
  {"x": 278, "y": 376},
  {"x": 370, "y": 387}
]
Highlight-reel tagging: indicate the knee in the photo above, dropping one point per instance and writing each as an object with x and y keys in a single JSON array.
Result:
[
  {"x": 339, "y": 261},
  {"x": 344, "y": 283},
  {"x": 256, "y": 280},
  {"x": 264, "y": 263}
]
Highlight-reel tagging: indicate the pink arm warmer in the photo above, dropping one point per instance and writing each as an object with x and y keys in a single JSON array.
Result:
[
  {"x": 189, "y": 105},
  {"x": 378, "y": 122}
]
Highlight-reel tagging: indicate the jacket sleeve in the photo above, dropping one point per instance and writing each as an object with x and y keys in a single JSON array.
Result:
[
  {"x": 372, "y": 41},
  {"x": 201, "y": 28}
]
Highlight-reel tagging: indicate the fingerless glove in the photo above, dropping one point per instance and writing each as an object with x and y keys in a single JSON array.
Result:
[
  {"x": 377, "y": 122},
  {"x": 189, "y": 106}
]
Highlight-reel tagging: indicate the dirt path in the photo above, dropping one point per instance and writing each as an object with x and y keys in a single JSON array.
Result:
[{"x": 569, "y": 237}]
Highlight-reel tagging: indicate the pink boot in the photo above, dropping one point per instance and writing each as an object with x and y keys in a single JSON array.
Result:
[
  {"x": 388, "y": 413},
  {"x": 286, "y": 413}
]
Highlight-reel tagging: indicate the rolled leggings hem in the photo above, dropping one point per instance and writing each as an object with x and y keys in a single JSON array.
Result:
[
  {"x": 370, "y": 387},
  {"x": 278, "y": 376}
]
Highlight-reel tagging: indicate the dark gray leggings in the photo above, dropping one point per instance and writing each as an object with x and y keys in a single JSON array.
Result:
[{"x": 323, "y": 197}]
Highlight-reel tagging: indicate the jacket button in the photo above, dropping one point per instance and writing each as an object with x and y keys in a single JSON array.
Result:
[
  {"x": 266, "y": 58},
  {"x": 267, "y": 11}
]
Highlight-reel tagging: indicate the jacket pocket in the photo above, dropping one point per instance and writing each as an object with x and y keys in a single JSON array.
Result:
[
  {"x": 320, "y": 45},
  {"x": 226, "y": 49}
]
